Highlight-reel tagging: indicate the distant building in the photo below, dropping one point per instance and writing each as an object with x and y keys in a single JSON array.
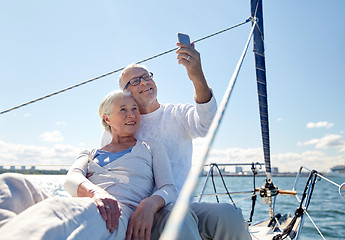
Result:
[
  {"x": 12, "y": 167},
  {"x": 33, "y": 167},
  {"x": 1, "y": 167},
  {"x": 275, "y": 170},
  {"x": 22, "y": 167},
  {"x": 239, "y": 169}
]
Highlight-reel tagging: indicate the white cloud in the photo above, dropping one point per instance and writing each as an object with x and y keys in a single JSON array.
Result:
[
  {"x": 58, "y": 154},
  {"x": 342, "y": 149},
  {"x": 328, "y": 141},
  {"x": 318, "y": 160},
  {"x": 323, "y": 124},
  {"x": 61, "y": 154},
  {"x": 54, "y": 136},
  {"x": 286, "y": 162},
  {"x": 61, "y": 123}
]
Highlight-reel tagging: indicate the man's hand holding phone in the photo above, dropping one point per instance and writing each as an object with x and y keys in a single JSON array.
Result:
[
  {"x": 185, "y": 53},
  {"x": 183, "y": 38},
  {"x": 190, "y": 58}
]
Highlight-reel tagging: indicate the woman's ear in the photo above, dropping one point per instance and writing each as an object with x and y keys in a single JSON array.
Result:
[{"x": 106, "y": 119}]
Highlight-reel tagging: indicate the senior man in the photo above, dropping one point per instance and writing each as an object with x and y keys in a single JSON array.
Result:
[{"x": 176, "y": 125}]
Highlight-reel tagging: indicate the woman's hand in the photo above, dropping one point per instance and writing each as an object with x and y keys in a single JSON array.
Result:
[
  {"x": 109, "y": 208},
  {"x": 107, "y": 205},
  {"x": 140, "y": 223}
]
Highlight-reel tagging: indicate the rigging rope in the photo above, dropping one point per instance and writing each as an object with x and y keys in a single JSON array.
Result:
[
  {"x": 224, "y": 185},
  {"x": 303, "y": 207},
  {"x": 180, "y": 209},
  {"x": 118, "y": 70},
  {"x": 253, "y": 168}
]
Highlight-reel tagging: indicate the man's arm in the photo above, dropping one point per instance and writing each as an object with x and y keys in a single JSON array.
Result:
[
  {"x": 141, "y": 221},
  {"x": 190, "y": 58}
]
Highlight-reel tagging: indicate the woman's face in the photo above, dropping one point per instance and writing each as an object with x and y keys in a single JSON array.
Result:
[{"x": 125, "y": 117}]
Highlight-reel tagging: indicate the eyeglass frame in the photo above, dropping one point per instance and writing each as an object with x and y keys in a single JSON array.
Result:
[{"x": 150, "y": 77}]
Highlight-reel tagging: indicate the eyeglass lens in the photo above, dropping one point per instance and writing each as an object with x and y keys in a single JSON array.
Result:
[{"x": 136, "y": 81}]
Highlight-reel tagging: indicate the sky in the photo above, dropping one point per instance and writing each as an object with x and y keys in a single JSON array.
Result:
[{"x": 47, "y": 46}]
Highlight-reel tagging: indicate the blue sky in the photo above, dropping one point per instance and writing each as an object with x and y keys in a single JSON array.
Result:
[{"x": 46, "y": 46}]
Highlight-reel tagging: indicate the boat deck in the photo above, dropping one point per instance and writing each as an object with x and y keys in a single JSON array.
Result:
[{"x": 261, "y": 230}]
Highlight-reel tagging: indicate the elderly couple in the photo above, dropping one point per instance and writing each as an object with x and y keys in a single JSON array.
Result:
[{"x": 126, "y": 189}]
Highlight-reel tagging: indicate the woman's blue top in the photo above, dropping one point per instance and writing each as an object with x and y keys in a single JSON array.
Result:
[{"x": 102, "y": 158}]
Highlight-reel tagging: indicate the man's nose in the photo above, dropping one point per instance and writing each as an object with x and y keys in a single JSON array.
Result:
[{"x": 143, "y": 82}]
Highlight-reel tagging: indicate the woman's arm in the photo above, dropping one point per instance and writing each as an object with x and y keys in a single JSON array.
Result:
[
  {"x": 107, "y": 204},
  {"x": 78, "y": 185},
  {"x": 76, "y": 175}
]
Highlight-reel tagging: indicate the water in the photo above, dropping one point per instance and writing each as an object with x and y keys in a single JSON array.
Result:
[{"x": 327, "y": 208}]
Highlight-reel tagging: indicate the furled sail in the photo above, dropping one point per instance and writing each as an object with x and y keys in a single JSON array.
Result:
[{"x": 259, "y": 53}]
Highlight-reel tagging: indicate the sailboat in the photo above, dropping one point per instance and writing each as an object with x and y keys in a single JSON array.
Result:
[
  {"x": 339, "y": 169},
  {"x": 278, "y": 225}
]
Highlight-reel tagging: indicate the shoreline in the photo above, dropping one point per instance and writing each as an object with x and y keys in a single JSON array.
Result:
[
  {"x": 35, "y": 171},
  {"x": 224, "y": 174}
]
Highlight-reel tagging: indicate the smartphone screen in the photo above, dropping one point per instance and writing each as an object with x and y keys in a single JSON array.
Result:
[{"x": 183, "y": 38}]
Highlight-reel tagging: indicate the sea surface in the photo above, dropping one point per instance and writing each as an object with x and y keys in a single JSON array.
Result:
[{"x": 327, "y": 207}]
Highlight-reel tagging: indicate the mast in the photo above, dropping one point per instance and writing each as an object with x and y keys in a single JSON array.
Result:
[
  {"x": 268, "y": 190},
  {"x": 260, "y": 68}
]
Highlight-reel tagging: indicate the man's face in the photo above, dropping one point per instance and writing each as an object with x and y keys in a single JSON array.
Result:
[{"x": 145, "y": 93}]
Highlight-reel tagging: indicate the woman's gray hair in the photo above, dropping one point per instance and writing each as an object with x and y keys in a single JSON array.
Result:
[
  {"x": 106, "y": 106},
  {"x": 122, "y": 82}
]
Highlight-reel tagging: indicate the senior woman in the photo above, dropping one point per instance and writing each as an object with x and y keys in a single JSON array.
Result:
[
  {"x": 119, "y": 187},
  {"x": 121, "y": 176}
]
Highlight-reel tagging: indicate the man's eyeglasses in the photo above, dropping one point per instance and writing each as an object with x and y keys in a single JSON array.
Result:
[{"x": 137, "y": 80}]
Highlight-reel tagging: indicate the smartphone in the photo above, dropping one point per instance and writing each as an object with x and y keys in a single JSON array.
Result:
[{"x": 183, "y": 38}]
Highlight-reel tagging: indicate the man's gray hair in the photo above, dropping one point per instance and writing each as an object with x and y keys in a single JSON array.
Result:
[
  {"x": 106, "y": 106},
  {"x": 122, "y": 82}
]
